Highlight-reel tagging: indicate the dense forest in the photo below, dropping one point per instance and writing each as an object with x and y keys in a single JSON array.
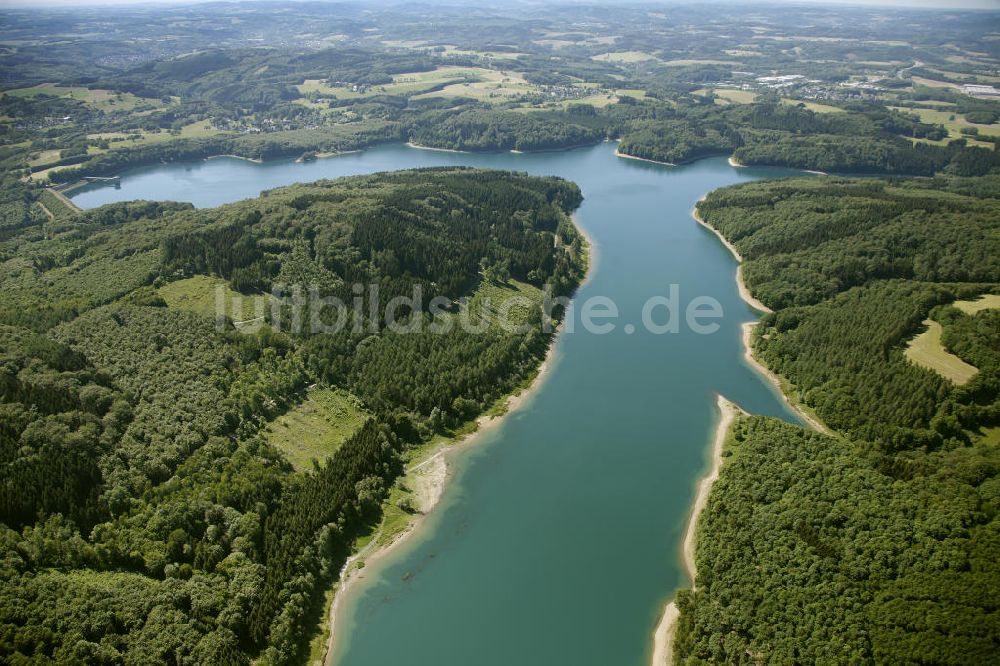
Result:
[
  {"x": 877, "y": 544},
  {"x": 136, "y": 477},
  {"x": 146, "y": 516},
  {"x": 867, "y": 139}
]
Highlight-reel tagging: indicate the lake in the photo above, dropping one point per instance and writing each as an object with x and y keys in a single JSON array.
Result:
[{"x": 557, "y": 540}]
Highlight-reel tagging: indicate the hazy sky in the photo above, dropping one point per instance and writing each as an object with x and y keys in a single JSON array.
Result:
[{"x": 944, "y": 4}]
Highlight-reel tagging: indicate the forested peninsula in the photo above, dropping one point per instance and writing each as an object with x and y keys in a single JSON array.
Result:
[
  {"x": 878, "y": 543},
  {"x": 150, "y": 507}
]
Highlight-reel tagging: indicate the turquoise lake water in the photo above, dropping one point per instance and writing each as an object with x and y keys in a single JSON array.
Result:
[{"x": 557, "y": 541}]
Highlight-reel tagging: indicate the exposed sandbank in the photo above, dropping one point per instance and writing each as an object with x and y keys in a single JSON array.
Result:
[
  {"x": 410, "y": 144},
  {"x": 811, "y": 420},
  {"x": 740, "y": 284},
  {"x": 663, "y": 635},
  {"x": 619, "y": 153},
  {"x": 428, "y": 478},
  {"x": 236, "y": 157},
  {"x": 745, "y": 294},
  {"x": 325, "y": 155}
]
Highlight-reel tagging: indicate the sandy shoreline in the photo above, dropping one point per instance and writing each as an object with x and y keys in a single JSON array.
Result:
[
  {"x": 410, "y": 144},
  {"x": 745, "y": 294},
  {"x": 326, "y": 155},
  {"x": 663, "y": 635},
  {"x": 740, "y": 284},
  {"x": 619, "y": 153},
  {"x": 813, "y": 423},
  {"x": 428, "y": 478},
  {"x": 236, "y": 157}
]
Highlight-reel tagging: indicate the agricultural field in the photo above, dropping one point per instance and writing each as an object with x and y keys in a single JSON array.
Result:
[
  {"x": 454, "y": 81},
  {"x": 624, "y": 57},
  {"x": 479, "y": 83},
  {"x": 199, "y": 129},
  {"x": 316, "y": 427},
  {"x": 686, "y": 62},
  {"x": 725, "y": 96},
  {"x": 931, "y": 83},
  {"x": 953, "y": 122},
  {"x": 195, "y": 130},
  {"x": 816, "y": 107},
  {"x": 103, "y": 100},
  {"x": 452, "y": 50}
]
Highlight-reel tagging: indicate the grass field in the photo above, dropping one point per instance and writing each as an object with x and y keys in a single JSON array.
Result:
[
  {"x": 496, "y": 55},
  {"x": 931, "y": 83},
  {"x": 682, "y": 62},
  {"x": 200, "y": 129},
  {"x": 44, "y": 157},
  {"x": 475, "y": 82},
  {"x": 555, "y": 44},
  {"x": 315, "y": 428},
  {"x": 321, "y": 87},
  {"x": 105, "y": 100},
  {"x": 990, "y": 436},
  {"x": 969, "y": 78},
  {"x": 812, "y": 106},
  {"x": 57, "y": 205},
  {"x": 634, "y": 93},
  {"x": 491, "y": 298},
  {"x": 952, "y": 122},
  {"x": 987, "y": 302},
  {"x": 598, "y": 100},
  {"x": 623, "y": 56},
  {"x": 725, "y": 96},
  {"x": 927, "y": 351},
  {"x": 201, "y": 294},
  {"x": 454, "y": 81}
]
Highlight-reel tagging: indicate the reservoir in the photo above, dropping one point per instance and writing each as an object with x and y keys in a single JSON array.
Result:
[{"x": 558, "y": 537}]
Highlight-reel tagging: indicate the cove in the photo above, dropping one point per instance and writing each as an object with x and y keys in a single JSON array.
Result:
[{"x": 558, "y": 537}]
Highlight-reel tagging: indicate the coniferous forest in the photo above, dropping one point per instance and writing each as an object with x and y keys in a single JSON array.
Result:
[
  {"x": 877, "y": 543},
  {"x": 148, "y": 512},
  {"x": 136, "y": 480}
]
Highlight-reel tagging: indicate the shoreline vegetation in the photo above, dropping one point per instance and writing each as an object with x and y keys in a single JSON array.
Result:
[
  {"x": 410, "y": 144},
  {"x": 255, "y": 160},
  {"x": 429, "y": 476},
  {"x": 801, "y": 410},
  {"x": 321, "y": 155},
  {"x": 663, "y": 635},
  {"x": 740, "y": 284},
  {"x": 619, "y": 153}
]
